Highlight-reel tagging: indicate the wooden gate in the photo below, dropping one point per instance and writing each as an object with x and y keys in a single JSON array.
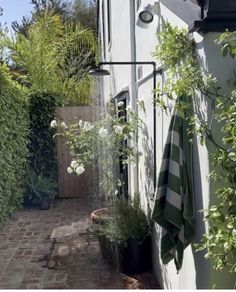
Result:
[{"x": 72, "y": 185}]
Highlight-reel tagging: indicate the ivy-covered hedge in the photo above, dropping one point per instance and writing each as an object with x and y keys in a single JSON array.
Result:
[
  {"x": 42, "y": 107},
  {"x": 13, "y": 143}
]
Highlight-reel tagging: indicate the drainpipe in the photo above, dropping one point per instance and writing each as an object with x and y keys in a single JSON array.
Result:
[{"x": 133, "y": 76}]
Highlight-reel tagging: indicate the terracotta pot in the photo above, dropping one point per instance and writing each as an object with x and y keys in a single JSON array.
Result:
[
  {"x": 107, "y": 248},
  {"x": 100, "y": 215}
]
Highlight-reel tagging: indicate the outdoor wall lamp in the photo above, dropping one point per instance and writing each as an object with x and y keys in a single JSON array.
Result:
[
  {"x": 99, "y": 71},
  {"x": 146, "y": 15}
]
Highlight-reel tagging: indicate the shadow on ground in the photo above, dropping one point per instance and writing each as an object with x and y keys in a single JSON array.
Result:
[{"x": 58, "y": 249}]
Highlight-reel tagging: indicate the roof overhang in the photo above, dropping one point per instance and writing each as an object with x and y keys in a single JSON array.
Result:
[{"x": 216, "y": 16}]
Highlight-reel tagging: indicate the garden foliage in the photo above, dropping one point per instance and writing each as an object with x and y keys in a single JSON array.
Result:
[
  {"x": 176, "y": 52},
  {"x": 13, "y": 143},
  {"x": 54, "y": 57},
  {"x": 107, "y": 141},
  {"x": 128, "y": 221},
  {"x": 39, "y": 188},
  {"x": 48, "y": 65}
]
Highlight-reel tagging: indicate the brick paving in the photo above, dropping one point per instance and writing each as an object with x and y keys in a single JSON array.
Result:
[{"x": 58, "y": 249}]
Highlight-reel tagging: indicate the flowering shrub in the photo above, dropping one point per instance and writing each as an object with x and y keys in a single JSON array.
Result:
[
  {"x": 219, "y": 242},
  {"x": 107, "y": 141}
]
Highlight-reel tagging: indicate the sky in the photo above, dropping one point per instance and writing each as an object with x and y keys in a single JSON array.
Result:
[{"x": 14, "y": 10}]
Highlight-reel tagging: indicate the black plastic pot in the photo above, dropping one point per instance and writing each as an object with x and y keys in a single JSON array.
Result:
[
  {"x": 136, "y": 257},
  {"x": 45, "y": 204}
]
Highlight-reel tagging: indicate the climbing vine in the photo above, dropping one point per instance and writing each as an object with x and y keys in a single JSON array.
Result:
[{"x": 177, "y": 55}]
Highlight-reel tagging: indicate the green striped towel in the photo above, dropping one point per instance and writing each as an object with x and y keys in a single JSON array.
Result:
[{"x": 174, "y": 204}]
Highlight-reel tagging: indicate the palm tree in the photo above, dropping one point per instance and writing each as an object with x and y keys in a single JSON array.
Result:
[{"x": 54, "y": 57}]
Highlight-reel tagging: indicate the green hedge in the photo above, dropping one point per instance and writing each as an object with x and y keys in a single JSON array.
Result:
[
  {"x": 42, "y": 147},
  {"x": 13, "y": 143}
]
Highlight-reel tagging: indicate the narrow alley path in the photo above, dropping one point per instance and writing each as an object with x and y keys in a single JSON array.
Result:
[{"x": 57, "y": 249}]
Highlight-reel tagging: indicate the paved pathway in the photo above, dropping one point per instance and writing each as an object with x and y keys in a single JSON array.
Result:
[{"x": 57, "y": 249}]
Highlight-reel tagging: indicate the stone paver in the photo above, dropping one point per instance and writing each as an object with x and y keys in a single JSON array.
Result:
[{"x": 57, "y": 249}]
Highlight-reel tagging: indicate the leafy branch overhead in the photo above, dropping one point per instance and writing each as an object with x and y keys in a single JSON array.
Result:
[
  {"x": 183, "y": 76},
  {"x": 54, "y": 57},
  {"x": 82, "y": 12}
]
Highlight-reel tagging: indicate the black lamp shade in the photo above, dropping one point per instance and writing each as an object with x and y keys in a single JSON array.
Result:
[
  {"x": 98, "y": 72},
  {"x": 146, "y": 16}
]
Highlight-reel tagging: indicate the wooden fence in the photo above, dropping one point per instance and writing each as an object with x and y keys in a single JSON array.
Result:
[{"x": 71, "y": 185}]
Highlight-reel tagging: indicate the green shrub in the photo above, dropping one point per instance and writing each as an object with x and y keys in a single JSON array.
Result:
[
  {"x": 128, "y": 221},
  {"x": 39, "y": 187},
  {"x": 42, "y": 145},
  {"x": 13, "y": 143}
]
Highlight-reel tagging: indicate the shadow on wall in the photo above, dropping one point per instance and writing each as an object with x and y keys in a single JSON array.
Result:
[
  {"x": 202, "y": 266},
  {"x": 160, "y": 270},
  {"x": 148, "y": 164},
  {"x": 223, "y": 69}
]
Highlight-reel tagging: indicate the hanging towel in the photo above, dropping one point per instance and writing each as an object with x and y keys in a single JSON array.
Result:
[{"x": 174, "y": 204}]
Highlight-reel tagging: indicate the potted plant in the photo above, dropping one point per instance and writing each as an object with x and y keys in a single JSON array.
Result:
[
  {"x": 101, "y": 217},
  {"x": 109, "y": 142},
  {"x": 40, "y": 190},
  {"x": 129, "y": 232}
]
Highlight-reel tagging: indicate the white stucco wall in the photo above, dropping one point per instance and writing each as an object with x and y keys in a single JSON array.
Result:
[
  {"x": 187, "y": 277},
  {"x": 196, "y": 272},
  {"x": 222, "y": 69}
]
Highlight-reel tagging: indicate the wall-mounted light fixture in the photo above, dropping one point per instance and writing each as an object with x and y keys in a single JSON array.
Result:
[
  {"x": 146, "y": 14},
  {"x": 99, "y": 71}
]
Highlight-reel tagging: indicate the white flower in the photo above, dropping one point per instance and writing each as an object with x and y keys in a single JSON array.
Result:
[
  {"x": 128, "y": 108},
  {"x": 53, "y": 124},
  {"x": 120, "y": 103},
  {"x": 119, "y": 183},
  {"x": 63, "y": 125},
  {"x": 116, "y": 192},
  {"x": 74, "y": 164},
  {"x": 118, "y": 129},
  {"x": 103, "y": 132},
  {"x": 80, "y": 169},
  {"x": 88, "y": 126},
  {"x": 80, "y": 123},
  {"x": 69, "y": 170}
]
